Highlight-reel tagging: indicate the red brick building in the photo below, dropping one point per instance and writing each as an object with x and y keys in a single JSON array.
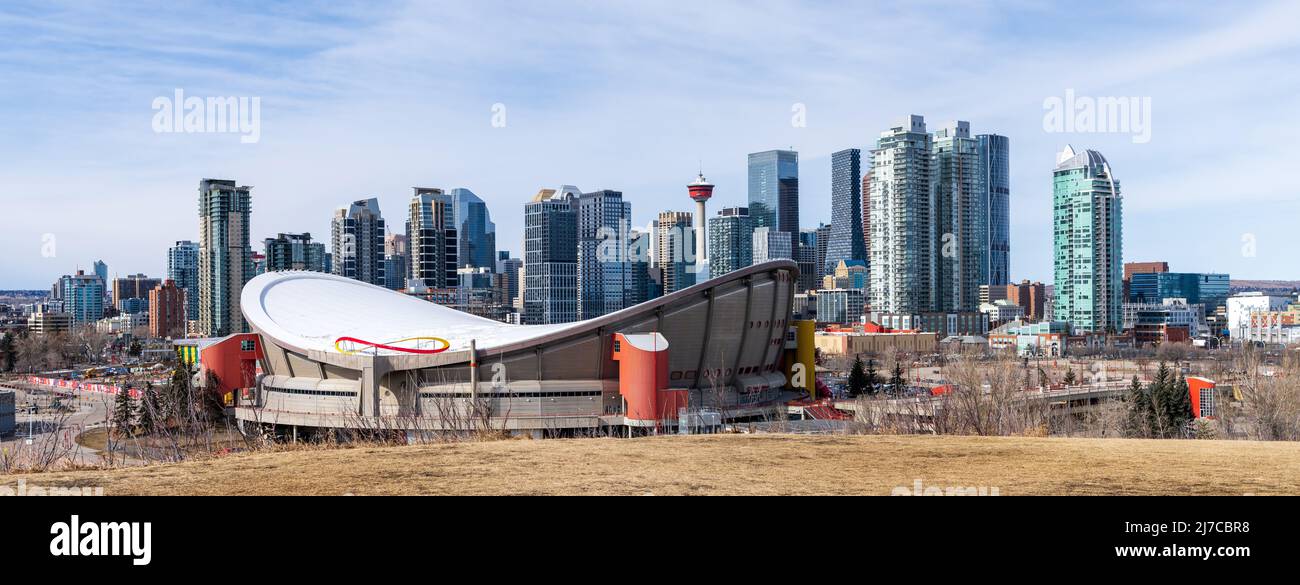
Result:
[
  {"x": 167, "y": 310},
  {"x": 1029, "y": 296}
]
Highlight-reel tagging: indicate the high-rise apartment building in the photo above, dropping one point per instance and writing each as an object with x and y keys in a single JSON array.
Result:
[
  {"x": 357, "y": 242},
  {"x": 846, "y": 241},
  {"x": 731, "y": 241},
  {"x": 903, "y": 236},
  {"x": 83, "y": 297},
  {"x": 774, "y": 190},
  {"x": 961, "y": 218},
  {"x": 225, "y": 255},
  {"x": 183, "y": 269},
  {"x": 294, "y": 252},
  {"x": 432, "y": 238},
  {"x": 551, "y": 257},
  {"x": 866, "y": 207},
  {"x": 1088, "y": 222}
]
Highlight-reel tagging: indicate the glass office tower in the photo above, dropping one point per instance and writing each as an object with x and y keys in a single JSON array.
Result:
[
  {"x": 995, "y": 172},
  {"x": 774, "y": 190},
  {"x": 846, "y": 241}
]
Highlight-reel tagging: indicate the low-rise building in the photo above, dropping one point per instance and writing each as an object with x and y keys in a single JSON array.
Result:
[
  {"x": 1281, "y": 327},
  {"x": 840, "y": 305},
  {"x": 1241, "y": 306},
  {"x": 43, "y": 323},
  {"x": 1002, "y": 311},
  {"x": 1154, "y": 323},
  {"x": 124, "y": 323},
  {"x": 854, "y": 343},
  {"x": 945, "y": 324},
  {"x": 1042, "y": 339}
]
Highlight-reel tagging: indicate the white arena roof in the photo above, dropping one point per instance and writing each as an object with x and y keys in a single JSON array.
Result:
[{"x": 311, "y": 310}]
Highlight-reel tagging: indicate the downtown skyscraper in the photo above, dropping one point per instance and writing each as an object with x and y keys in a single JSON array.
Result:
[
  {"x": 930, "y": 217},
  {"x": 551, "y": 257},
  {"x": 674, "y": 237},
  {"x": 476, "y": 233},
  {"x": 604, "y": 219},
  {"x": 432, "y": 239},
  {"x": 357, "y": 242},
  {"x": 846, "y": 241},
  {"x": 1089, "y": 245},
  {"x": 225, "y": 256},
  {"x": 995, "y": 172},
  {"x": 774, "y": 190},
  {"x": 731, "y": 241},
  {"x": 961, "y": 216},
  {"x": 903, "y": 235}
]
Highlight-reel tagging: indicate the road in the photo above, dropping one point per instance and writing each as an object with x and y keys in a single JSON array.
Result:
[{"x": 46, "y": 425}]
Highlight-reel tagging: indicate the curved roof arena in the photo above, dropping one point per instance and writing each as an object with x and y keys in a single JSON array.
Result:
[{"x": 311, "y": 310}]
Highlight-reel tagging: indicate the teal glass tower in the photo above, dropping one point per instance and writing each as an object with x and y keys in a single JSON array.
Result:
[{"x": 1089, "y": 243}]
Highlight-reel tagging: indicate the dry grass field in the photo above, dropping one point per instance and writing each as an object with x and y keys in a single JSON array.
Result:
[{"x": 725, "y": 464}]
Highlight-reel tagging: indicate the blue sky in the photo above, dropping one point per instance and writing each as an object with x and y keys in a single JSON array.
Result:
[{"x": 369, "y": 99}]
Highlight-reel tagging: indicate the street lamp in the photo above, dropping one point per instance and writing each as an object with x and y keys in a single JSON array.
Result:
[{"x": 31, "y": 418}]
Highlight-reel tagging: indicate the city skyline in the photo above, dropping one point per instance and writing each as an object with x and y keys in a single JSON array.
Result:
[{"x": 79, "y": 170}]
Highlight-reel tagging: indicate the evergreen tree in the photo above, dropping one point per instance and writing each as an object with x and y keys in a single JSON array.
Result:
[
  {"x": 176, "y": 402},
  {"x": 897, "y": 383},
  {"x": 8, "y": 352},
  {"x": 123, "y": 412},
  {"x": 148, "y": 408},
  {"x": 1136, "y": 424},
  {"x": 873, "y": 378},
  {"x": 857, "y": 378},
  {"x": 1180, "y": 407}
]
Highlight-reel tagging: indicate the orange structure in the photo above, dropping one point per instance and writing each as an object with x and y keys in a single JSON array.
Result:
[
  {"x": 1202, "y": 391},
  {"x": 234, "y": 361},
  {"x": 643, "y": 379}
]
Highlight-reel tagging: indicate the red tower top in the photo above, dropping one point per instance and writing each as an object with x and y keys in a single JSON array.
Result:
[{"x": 701, "y": 189}]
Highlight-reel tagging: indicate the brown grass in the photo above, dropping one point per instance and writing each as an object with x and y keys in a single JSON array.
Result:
[{"x": 726, "y": 464}]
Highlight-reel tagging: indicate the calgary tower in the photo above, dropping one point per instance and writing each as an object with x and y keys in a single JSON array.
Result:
[{"x": 701, "y": 190}]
